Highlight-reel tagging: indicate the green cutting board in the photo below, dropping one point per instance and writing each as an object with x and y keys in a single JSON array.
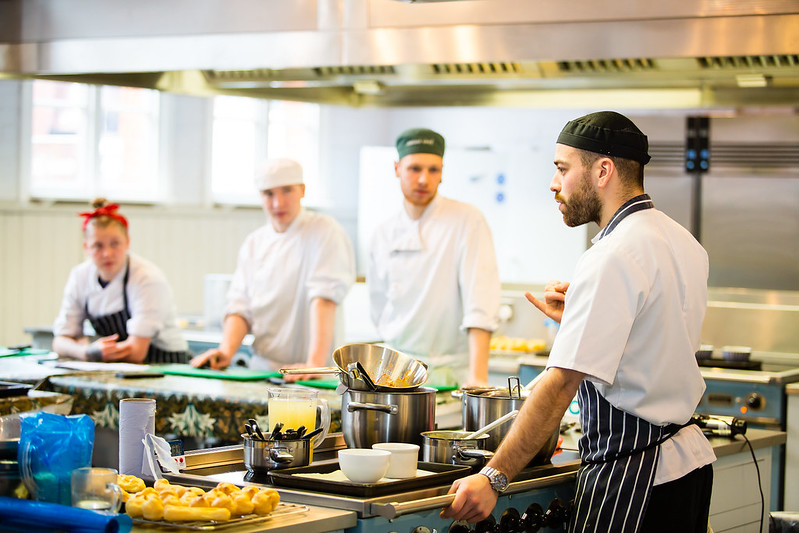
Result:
[
  {"x": 235, "y": 374},
  {"x": 5, "y": 352},
  {"x": 333, "y": 383}
]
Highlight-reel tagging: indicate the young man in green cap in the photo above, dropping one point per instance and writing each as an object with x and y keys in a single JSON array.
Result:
[
  {"x": 630, "y": 324},
  {"x": 432, "y": 276}
]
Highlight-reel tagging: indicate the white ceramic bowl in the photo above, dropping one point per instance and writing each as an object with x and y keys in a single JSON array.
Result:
[
  {"x": 363, "y": 465},
  {"x": 404, "y": 458}
]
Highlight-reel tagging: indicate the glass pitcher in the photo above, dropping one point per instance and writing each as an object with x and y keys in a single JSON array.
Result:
[{"x": 299, "y": 407}]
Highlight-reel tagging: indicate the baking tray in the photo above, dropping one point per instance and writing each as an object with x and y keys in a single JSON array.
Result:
[
  {"x": 443, "y": 475},
  {"x": 8, "y": 389},
  {"x": 282, "y": 509}
]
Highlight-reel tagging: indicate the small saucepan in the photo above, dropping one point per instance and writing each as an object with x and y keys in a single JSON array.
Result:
[
  {"x": 265, "y": 455},
  {"x": 452, "y": 447}
]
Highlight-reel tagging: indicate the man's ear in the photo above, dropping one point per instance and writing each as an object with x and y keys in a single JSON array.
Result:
[{"x": 605, "y": 168}]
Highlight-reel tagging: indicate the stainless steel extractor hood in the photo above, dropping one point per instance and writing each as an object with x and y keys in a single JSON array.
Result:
[{"x": 684, "y": 53}]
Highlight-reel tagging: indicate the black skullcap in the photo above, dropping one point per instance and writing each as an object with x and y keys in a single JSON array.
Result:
[
  {"x": 420, "y": 140},
  {"x": 606, "y": 133}
]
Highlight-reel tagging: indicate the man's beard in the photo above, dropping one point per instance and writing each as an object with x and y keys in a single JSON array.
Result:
[{"x": 583, "y": 206}]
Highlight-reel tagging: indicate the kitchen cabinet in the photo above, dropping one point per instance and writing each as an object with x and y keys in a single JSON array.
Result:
[
  {"x": 735, "y": 504},
  {"x": 792, "y": 449}
]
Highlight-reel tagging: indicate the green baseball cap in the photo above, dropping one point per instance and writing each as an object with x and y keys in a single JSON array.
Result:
[{"x": 420, "y": 141}]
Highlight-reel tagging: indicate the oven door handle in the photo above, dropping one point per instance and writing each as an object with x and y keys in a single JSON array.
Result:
[{"x": 395, "y": 509}]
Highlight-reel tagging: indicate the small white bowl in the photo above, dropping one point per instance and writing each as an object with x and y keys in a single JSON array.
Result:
[
  {"x": 404, "y": 458},
  {"x": 363, "y": 465}
]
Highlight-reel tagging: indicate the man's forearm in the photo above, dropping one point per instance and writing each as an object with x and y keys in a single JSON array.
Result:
[
  {"x": 479, "y": 346},
  {"x": 234, "y": 329},
  {"x": 539, "y": 416},
  {"x": 323, "y": 324}
]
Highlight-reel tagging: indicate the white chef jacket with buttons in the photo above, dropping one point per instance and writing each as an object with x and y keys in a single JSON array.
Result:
[
  {"x": 151, "y": 304},
  {"x": 431, "y": 279},
  {"x": 632, "y": 322},
  {"x": 277, "y": 277}
]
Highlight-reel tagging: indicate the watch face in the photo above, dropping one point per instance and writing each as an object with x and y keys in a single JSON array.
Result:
[{"x": 500, "y": 481}]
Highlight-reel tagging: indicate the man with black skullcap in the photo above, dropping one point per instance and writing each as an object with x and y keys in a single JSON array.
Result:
[
  {"x": 432, "y": 277},
  {"x": 630, "y": 325}
]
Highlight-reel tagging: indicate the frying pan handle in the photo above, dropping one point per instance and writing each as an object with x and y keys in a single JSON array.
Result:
[
  {"x": 312, "y": 370},
  {"x": 360, "y": 406},
  {"x": 474, "y": 453},
  {"x": 280, "y": 455}
]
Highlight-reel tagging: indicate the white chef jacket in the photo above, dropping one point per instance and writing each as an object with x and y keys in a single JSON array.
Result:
[
  {"x": 277, "y": 276},
  {"x": 431, "y": 279},
  {"x": 632, "y": 322},
  {"x": 152, "y": 307}
]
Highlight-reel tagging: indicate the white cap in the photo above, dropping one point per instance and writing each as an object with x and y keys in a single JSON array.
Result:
[{"x": 278, "y": 173}]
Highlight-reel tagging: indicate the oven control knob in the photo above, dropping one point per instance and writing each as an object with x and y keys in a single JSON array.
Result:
[
  {"x": 460, "y": 526},
  {"x": 533, "y": 518},
  {"x": 510, "y": 521},
  {"x": 556, "y": 513},
  {"x": 423, "y": 529},
  {"x": 489, "y": 525},
  {"x": 755, "y": 401}
]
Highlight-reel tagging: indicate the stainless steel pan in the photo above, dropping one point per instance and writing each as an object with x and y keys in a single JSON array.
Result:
[{"x": 372, "y": 368}]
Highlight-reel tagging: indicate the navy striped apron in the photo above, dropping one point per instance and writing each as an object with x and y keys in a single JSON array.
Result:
[
  {"x": 619, "y": 451},
  {"x": 105, "y": 325}
]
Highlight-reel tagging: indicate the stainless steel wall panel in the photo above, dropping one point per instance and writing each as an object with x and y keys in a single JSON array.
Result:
[
  {"x": 751, "y": 230},
  {"x": 384, "y": 13}
]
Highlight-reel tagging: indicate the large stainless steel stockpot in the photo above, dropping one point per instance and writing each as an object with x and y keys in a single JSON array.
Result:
[
  {"x": 371, "y": 417},
  {"x": 452, "y": 447},
  {"x": 482, "y": 406}
]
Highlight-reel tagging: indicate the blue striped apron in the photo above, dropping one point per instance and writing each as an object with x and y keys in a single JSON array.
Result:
[
  {"x": 619, "y": 451},
  {"x": 105, "y": 325}
]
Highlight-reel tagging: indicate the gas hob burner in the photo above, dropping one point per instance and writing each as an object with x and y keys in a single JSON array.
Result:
[{"x": 256, "y": 477}]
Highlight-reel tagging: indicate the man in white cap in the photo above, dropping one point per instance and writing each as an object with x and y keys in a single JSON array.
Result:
[
  {"x": 291, "y": 275},
  {"x": 433, "y": 280}
]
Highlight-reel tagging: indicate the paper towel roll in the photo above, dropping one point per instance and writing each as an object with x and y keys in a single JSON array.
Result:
[{"x": 136, "y": 419}]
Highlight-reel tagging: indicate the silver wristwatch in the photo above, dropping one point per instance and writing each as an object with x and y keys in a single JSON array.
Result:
[{"x": 498, "y": 480}]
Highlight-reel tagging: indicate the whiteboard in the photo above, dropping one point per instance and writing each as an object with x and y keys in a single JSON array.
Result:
[{"x": 510, "y": 187}]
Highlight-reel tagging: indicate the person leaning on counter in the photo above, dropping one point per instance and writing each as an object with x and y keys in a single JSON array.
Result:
[
  {"x": 432, "y": 277},
  {"x": 291, "y": 275},
  {"x": 630, "y": 324},
  {"x": 125, "y": 297}
]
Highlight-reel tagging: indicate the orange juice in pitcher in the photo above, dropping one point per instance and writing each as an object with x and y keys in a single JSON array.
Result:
[{"x": 295, "y": 408}]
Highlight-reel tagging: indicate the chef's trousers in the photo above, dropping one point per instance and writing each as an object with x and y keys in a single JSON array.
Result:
[{"x": 681, "y": 505}]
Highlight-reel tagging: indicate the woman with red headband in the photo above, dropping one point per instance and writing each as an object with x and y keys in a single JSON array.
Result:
[{"x": 125, "y": 297}]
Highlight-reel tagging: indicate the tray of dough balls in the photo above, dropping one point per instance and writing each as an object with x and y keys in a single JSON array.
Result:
[{"x": 176, "y": 506}]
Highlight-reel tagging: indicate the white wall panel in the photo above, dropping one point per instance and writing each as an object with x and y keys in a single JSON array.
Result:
[{"x": 41, "y": 244}]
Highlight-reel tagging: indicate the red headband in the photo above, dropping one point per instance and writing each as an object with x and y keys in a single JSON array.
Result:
[{"x": 109, "y": 210}]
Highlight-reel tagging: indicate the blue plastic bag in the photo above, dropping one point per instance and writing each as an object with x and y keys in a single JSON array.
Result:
[{"x": 50, "y": 448}]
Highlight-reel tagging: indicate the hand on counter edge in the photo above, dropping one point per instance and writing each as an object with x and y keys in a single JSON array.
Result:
[
  {"x": 213, "y": 358},
  {"x": 474, "y": 499}
]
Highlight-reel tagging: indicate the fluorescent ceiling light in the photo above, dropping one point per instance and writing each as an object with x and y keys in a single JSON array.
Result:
[{"x": 751, "y": 80}]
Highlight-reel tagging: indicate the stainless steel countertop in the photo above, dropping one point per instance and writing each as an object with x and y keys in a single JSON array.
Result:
[
  {"x": 779, "y": 369},
  {"x": 312, "y": 520},
  {"x": 206, "y": 468}
]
